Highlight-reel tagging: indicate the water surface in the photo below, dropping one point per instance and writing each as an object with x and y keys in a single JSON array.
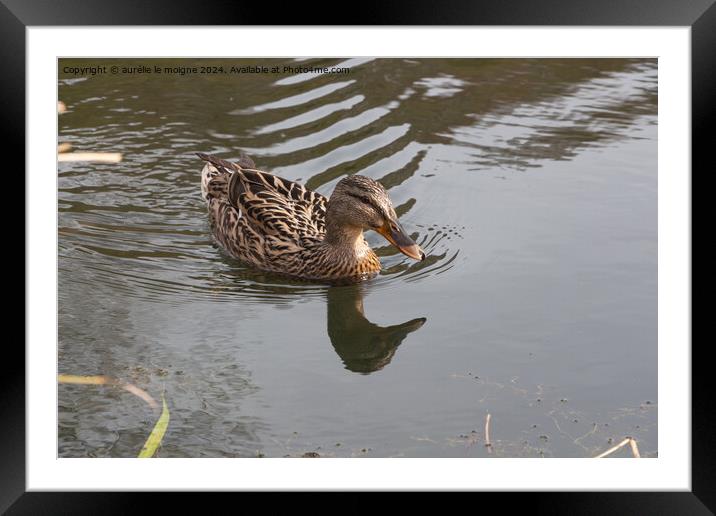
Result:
[{"x": 531, "y": 184}]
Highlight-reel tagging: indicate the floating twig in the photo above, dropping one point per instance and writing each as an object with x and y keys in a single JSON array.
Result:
[
  {"x": 64, "y": 147},
  {"x": 488, "y": 444},
  {"x": 102, "y": 157},
  {"x": 61, "y": 108}
]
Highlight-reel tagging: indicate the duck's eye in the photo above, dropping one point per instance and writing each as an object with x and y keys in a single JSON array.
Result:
[{"x": 361, "y": 198}]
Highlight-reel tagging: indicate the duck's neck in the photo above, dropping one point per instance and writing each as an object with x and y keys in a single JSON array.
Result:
[
  {"x": 344, "y": 253},
  {"x": 346, "y": 241}
]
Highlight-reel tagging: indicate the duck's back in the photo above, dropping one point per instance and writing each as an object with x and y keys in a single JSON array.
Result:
[{"x": 261, "y": 218}]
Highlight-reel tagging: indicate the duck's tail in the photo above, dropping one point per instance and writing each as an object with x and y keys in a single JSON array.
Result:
[{"x": 217, "y": 170}]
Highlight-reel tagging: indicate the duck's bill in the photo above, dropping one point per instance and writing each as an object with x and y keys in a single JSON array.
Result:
[{"x": 395, "y": 234}]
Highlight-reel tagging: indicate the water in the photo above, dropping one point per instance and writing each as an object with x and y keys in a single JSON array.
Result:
[{"x": 531, "y": 184}]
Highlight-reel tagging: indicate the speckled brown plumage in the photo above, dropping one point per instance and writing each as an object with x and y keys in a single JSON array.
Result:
[{"x": 280, "y": 226}]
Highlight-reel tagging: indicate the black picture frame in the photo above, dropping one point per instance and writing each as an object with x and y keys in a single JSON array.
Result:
[{"x": 700, "y": 15}]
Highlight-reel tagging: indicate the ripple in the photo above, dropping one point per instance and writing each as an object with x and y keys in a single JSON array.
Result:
[
  {"x": 342, "y": 155},
  {"x": 295, "y": 100},
  {"x": 593, "y": 113},
  {"x": 343, "y": 127},
  {"x": 311, "y": 116},
  {"x": 443, "y": 86}
]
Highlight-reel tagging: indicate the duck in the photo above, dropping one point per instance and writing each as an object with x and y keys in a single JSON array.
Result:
[{"x": 280, "y": 226}]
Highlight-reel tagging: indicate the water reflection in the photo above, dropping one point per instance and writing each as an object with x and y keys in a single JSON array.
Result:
[{"x": 364, "y": 347}]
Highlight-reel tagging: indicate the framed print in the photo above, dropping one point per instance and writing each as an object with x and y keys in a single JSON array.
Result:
[{"x": 445, "y": 253}]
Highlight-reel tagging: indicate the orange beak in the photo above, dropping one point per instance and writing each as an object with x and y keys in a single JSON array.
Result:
[{"x": 395, "y": 234}]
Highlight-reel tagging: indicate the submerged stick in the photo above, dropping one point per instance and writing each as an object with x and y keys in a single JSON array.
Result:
[
  {"x": 107, "y": 380},
  {"x": 628, "y": 440},
  {"x": 634, "y": 449},
  {"x": 102, "y": 157},
  {"x": 613, "y": 449},
  {"x": 160, "y": 428}
]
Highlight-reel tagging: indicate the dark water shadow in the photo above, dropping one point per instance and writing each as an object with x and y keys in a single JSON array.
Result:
[{"x": 364, "y": 347}]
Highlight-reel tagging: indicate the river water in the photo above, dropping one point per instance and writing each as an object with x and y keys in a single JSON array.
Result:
[{"x": 531, "y": 184}]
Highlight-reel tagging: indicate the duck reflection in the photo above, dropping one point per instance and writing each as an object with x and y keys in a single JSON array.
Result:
[{"x": 363, "y": 346}]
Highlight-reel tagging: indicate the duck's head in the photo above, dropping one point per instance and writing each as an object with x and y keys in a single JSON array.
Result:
[{"x": 361, "y": 202}]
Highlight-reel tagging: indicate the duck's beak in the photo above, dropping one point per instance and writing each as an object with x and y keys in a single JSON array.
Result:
[{"x": 395, "y": 234}]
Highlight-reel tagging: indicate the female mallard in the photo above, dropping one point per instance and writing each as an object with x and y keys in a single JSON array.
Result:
[{"x": 281, "y": 226}]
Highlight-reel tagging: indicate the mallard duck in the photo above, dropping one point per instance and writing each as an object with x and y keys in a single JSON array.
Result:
[{"x": 281, "y": 226}]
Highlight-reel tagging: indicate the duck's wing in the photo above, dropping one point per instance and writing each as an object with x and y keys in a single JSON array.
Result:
[
  {"x": 277, "y": 206},
  {"x": 273, "y": 205}
]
